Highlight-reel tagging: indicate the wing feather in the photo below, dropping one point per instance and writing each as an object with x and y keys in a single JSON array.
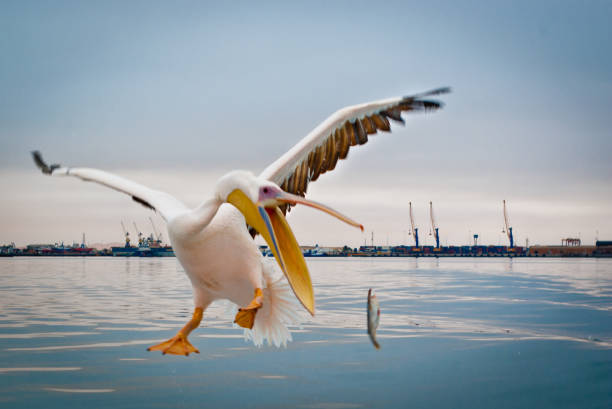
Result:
[
  {"x": 331, "y": 141},
  {"x": 165, "y": 204},
  {"x": 344, "y": 143}
]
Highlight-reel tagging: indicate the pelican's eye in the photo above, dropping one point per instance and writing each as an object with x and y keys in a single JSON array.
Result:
[{"x": 265, "y": 193}]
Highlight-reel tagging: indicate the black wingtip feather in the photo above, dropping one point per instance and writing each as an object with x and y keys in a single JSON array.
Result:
[
  {"x": 437, "y": 91},
  {"x": 42, "y": 165},
  {"x": 143, "y": 202},
  {"x": 38, "y": 160},
  {"x": 428, "y": 104}
]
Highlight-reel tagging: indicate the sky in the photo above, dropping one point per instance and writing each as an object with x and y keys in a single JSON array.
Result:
[{"x": 176, "y": 94}]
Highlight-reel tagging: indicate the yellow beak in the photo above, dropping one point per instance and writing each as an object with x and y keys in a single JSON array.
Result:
[
  {"x": 273, "y": 227},
  {"x": 285, "y": 197}
]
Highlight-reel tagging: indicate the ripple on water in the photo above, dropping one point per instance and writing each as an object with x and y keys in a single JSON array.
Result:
[
  {"x": 73, "y": 390},
  {"x": 41, "y": 369}
]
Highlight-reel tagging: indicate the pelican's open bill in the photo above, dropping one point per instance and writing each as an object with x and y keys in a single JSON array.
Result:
[{"x": 373, "y": 317}]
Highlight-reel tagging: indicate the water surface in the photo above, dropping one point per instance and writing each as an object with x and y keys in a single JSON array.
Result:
[{"x": 460, "y": 333}]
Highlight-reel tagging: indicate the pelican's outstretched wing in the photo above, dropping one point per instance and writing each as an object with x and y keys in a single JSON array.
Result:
[
  {"x": 320, "y": 150},
  {"x": 162, "y": 202}
]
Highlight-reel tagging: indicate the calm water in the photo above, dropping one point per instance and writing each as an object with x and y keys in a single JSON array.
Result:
[{"x": 455, "y": 333}]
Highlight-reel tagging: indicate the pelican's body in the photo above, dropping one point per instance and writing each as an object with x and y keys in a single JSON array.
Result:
[
  {"x": 214, "y": 243},
  {"x": 220, "y": 260}
]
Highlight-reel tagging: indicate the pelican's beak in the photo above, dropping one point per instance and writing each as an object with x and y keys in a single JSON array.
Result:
[
  {"x": 292, "y": 199},
  {"x": 273, "y": 227},
  {"x": 269, "y": 221}
]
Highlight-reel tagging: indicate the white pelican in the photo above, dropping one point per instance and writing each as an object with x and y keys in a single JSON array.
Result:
[{"x": 214, "y": 244}]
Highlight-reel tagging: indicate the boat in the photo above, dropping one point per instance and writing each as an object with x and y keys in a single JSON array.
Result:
[
  {"x": 152, "y": 247},
  {"x": 147, "y": 247}
]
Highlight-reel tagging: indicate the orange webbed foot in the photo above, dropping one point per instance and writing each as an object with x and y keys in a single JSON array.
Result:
[
  {"x": 246, "y": 316},
  {"x": 177, "y": 345}
]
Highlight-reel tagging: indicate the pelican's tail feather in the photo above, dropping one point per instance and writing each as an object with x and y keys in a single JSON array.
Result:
[{"x": 280, "y": 309}]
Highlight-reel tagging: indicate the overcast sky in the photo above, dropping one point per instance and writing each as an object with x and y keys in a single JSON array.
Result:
[{"x": 175, "y": 94}]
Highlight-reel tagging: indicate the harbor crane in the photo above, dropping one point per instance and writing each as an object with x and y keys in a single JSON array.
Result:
[
  {"x": 434, "y": 228},
  {"x": 158, "y": 235},
  {"x": 508, "y": 230},
  {"x": 126, "y": 234},
  {"x": 415, "y": 230},
  {"x": 140, "y": 240}
]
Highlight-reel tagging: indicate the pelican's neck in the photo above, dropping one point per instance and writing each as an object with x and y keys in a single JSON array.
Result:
[{"x": 204, "y": 214}]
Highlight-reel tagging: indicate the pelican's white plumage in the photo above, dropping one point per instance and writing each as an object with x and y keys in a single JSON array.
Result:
[
  {"x": 167, "y": 205},
  {"x": 213, "y": 244}
]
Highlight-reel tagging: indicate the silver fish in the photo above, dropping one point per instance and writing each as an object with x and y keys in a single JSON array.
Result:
[{"x": 373, "y": 317}]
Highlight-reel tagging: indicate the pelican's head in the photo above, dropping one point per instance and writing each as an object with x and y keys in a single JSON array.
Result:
[
  {"x": 259, "y": 200},
  {"x": 267, "y": 194}
]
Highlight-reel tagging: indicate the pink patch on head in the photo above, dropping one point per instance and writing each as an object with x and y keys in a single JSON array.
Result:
[{"x": 268, "y": 192}]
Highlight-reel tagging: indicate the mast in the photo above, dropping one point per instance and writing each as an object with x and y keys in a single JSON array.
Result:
[{"x": 415, "y": 230}]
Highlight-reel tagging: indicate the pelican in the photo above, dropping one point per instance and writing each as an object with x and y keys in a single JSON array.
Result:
[{"x": 214, "y": 242}]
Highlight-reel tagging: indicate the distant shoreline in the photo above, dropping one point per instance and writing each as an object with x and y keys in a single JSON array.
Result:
[
  {"x": 430, "y": 256},
  {"x": 601, "y": 249}
]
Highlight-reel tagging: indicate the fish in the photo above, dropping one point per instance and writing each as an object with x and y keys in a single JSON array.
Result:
[{"x": 373, "y": 317}]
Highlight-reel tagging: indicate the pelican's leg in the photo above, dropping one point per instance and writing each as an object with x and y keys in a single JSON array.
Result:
[
  {"x": 178, "y": 344},
  {"x": 246, "y": 316}
]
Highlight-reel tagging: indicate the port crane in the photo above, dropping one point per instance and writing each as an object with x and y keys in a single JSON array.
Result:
[
  {"x": 126, "y": 234},
  {"x": 140, "y": 240},
  {"x": 415, "y": 230},
  {"x": 158, "y": 235},
  {"x": 508, "y": 230},
  {"x": 434, "y": 228}
]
